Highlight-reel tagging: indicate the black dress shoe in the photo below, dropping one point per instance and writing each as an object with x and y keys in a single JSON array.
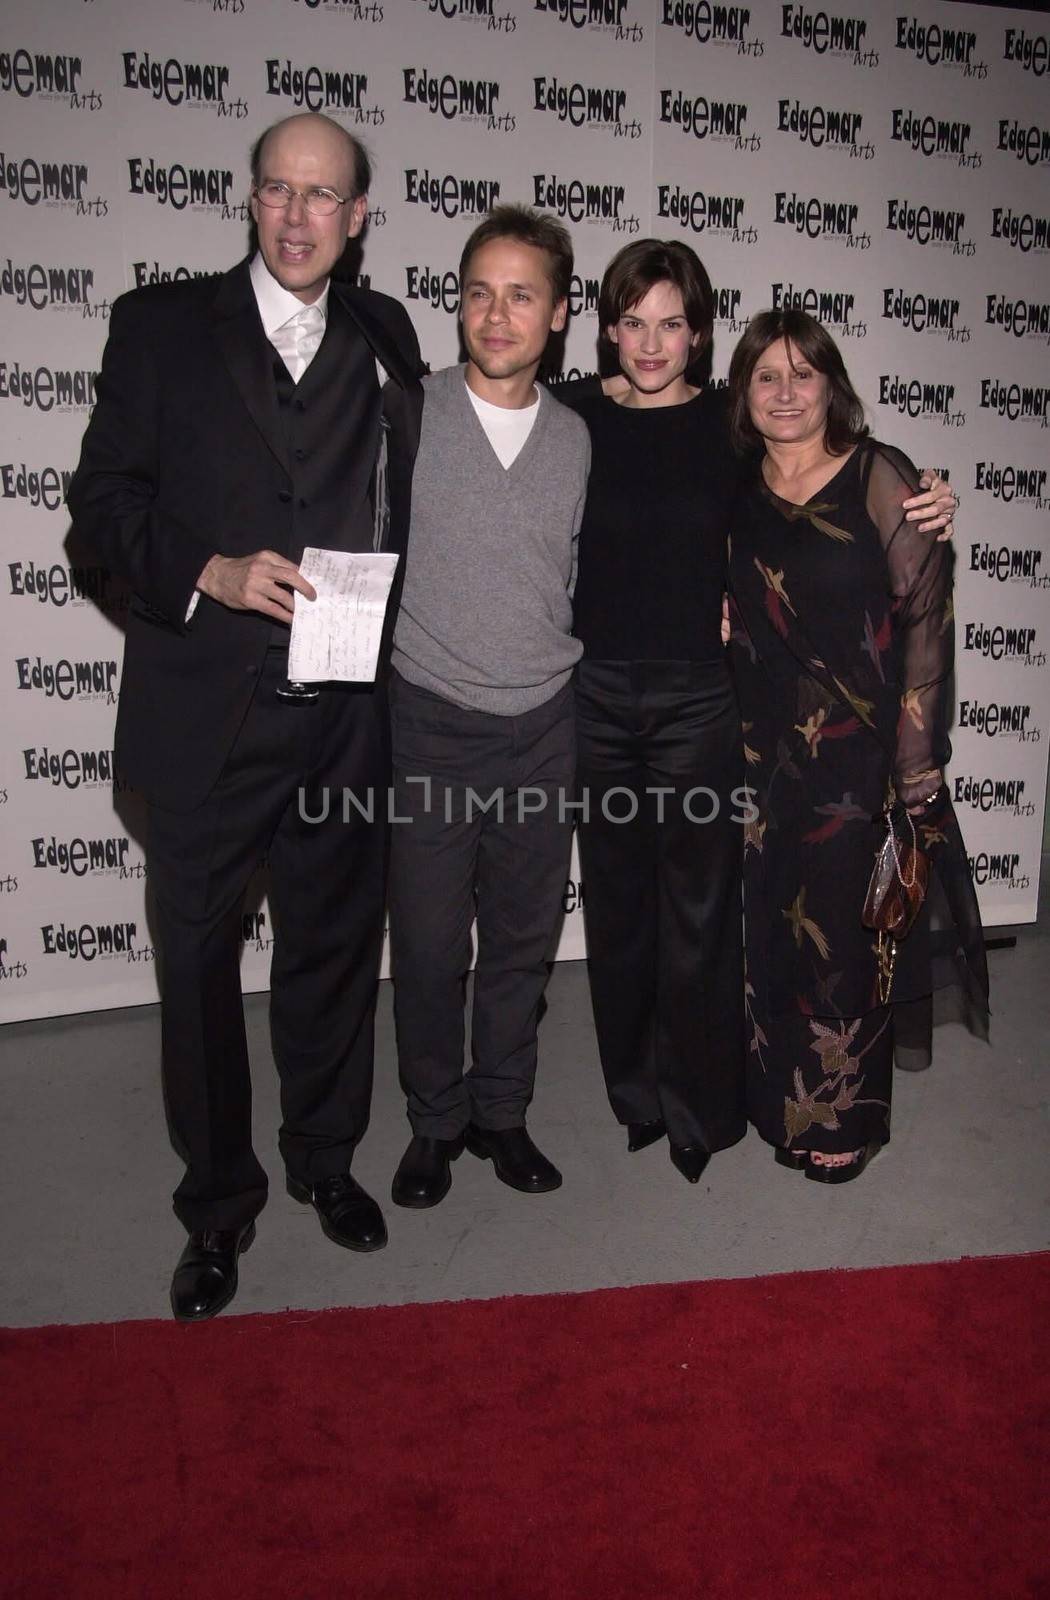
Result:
[
  {"x": 205, "y": 1278},
  {"x": 349, "y": 1216},
  {"x": 424, "y": 1175},
  {"x": 690, "y": 1159},
  {"x": 642, "y": 1134},
  {"x": 515, "y": 1158}
]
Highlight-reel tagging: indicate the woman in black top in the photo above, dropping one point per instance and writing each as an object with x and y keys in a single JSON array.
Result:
[
  {"x": 661, "y": 763},
  {"x": 660, "y": 749}
]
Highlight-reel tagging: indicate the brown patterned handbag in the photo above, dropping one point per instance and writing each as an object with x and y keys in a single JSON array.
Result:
[{"x": 896, "y": 890}]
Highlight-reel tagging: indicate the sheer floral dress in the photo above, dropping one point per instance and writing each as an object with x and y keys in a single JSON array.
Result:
[{"x": 842, "y": 649}]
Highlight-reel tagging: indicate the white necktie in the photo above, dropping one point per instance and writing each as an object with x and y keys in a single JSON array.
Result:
[{"x": 297, "y": 340}]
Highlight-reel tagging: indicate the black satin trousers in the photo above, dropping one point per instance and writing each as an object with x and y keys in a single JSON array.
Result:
[{"x": 660, "y": 769}]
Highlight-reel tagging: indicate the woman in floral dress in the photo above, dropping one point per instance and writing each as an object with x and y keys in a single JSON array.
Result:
[{"x": 843, "y": 640}]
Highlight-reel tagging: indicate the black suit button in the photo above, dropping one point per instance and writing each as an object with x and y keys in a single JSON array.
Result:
[
  {"x": 303, "y": 504},
  {"x": 284, "y": 496},
  {"x": 300, "y": 455},
  {"x": 300, "y": 405}
]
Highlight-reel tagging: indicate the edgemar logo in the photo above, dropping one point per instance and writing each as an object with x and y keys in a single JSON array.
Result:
[
  {"x": 995, "y": 720},
  {"x": 79, "y": 857},
  {"x": 71, "y": 769},
  {"x": 577, "y": 200},
  {"x": 1031, "y": 51},
  {"x": 60, "y": 585},
  {"x": 993, "y": 794},
  {"x": 1022, "y": 319},
  {"x": 35, "y": 75},
  {"x": 998, "y": 642},
  {"x": 827, "y": 33},
  {"x": 938, "y": 138},
  {"x": 598, "y": 16},
  {"x": 835, "y": 307},
  {"x": 43, "y": 488},
  {"x": 1029, "y": 144},
  {"x": 924, "y": 313},
  {"x": 89, "y": 941},
  {"x": 822, "y": 126},
  {"x": 472, "y": 11},
  {"x": 1021, "y": 230},
  {"x": 49, "y": 288},
  {"x": 338, "y": 92},
  {"x": 818, "y": 218},
  {"x": 473, "y": 100},
  {"x": 196, "y": 84},
  {"x": 701, "y": 212},
  {"x": 998, "y": 867},
  {"x": 48, "y": 389},
  {"x": 450, "y": 196},
  {"x": 55, "y": 184},
  {"x": 721, "y": 121},
  {"x": 929, "y": 226},
  {"x": 585, "y": 105},
  {"x": 917, "y": 397},
  {"x": 92, "y": 679},
  {"x": 1017, "y": 402},
  {"x": 939, "y": 47},
  {"x": 721, "y": 25},
  {"x": 178, "y": 186}
]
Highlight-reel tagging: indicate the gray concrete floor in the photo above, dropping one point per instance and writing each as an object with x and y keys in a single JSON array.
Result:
[{"x": 87, "y": 1169}]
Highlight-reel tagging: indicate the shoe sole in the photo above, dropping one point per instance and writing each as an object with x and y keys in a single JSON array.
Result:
[
  {"x": 206, "y": 1316},
  {"x": 478, "y": 1149},
  {"x": 793, "y": 1160},
  {"x": 300, "y": 1192}
]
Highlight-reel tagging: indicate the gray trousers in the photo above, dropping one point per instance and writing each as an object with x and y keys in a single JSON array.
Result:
[{"x": 451, "y": 860}]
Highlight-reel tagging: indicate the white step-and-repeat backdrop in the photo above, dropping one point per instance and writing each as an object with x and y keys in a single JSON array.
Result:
[{"x": 886, "y": 168}]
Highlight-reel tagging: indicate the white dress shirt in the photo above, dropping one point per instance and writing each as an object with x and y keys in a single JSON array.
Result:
[{"x": 295, "y": 330}]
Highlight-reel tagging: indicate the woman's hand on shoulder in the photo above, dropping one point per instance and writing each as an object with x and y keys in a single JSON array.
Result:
[{"x": 935, "y": 508}]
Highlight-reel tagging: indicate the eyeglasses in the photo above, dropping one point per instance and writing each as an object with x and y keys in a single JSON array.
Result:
[{"x": 321, "y": 202}]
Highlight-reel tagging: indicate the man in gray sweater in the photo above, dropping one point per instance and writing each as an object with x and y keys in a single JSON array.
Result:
[{"x": 482, "y": 715}]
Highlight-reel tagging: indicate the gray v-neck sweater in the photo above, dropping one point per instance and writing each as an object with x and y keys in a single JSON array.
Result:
[{"x": 486, "y": 607}]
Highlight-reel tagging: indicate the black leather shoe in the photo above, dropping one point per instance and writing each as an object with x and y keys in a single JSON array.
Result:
[
  {"x": 349, "y": 1216},
  {"x": 642, "y": 1134},
  {"x": 690, "y": 1159},
  {"x": 515, "y": 1158},
  {"x": 205, "y": 1278},
  {"x": 424, "y": 1175}
]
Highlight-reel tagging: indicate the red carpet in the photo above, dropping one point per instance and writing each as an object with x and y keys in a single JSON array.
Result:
[{"x": 842, "y": 1435}]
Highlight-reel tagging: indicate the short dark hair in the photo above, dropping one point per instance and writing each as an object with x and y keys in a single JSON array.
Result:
[
  {"x": 640, "y": 266},
  {"x": 536, "y": 228},
  {"x": 360, "y": 164},
  {"x": 845, "y": 420}
]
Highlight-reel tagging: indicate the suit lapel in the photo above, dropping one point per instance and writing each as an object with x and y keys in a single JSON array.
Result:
[
  {"x": 379, "y": 341},
  {"x": 249, "y": 356}
]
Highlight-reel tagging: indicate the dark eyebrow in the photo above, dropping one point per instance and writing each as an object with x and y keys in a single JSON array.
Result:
[{"x": 483, "y": 283}]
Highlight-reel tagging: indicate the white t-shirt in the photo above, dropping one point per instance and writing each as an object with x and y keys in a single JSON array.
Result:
[{"x": 506, "y": 428}]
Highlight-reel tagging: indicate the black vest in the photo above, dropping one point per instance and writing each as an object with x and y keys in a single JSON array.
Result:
[{"x": 331, "y": 424}]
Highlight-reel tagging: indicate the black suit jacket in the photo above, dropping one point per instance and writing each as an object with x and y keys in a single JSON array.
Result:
[{"x": 185, "y": 457}]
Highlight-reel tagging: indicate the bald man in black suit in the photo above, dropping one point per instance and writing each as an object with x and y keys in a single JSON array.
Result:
[{"x": 240, "y": 419}]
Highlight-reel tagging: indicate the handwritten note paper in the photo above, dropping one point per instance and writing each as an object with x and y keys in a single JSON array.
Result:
[{"x": 336, "y": 637}]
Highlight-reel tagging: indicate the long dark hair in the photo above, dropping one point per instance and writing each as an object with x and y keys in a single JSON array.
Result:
[
  {"x": 845, "y": 420},
  {"x": 639, "y": 267}
]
